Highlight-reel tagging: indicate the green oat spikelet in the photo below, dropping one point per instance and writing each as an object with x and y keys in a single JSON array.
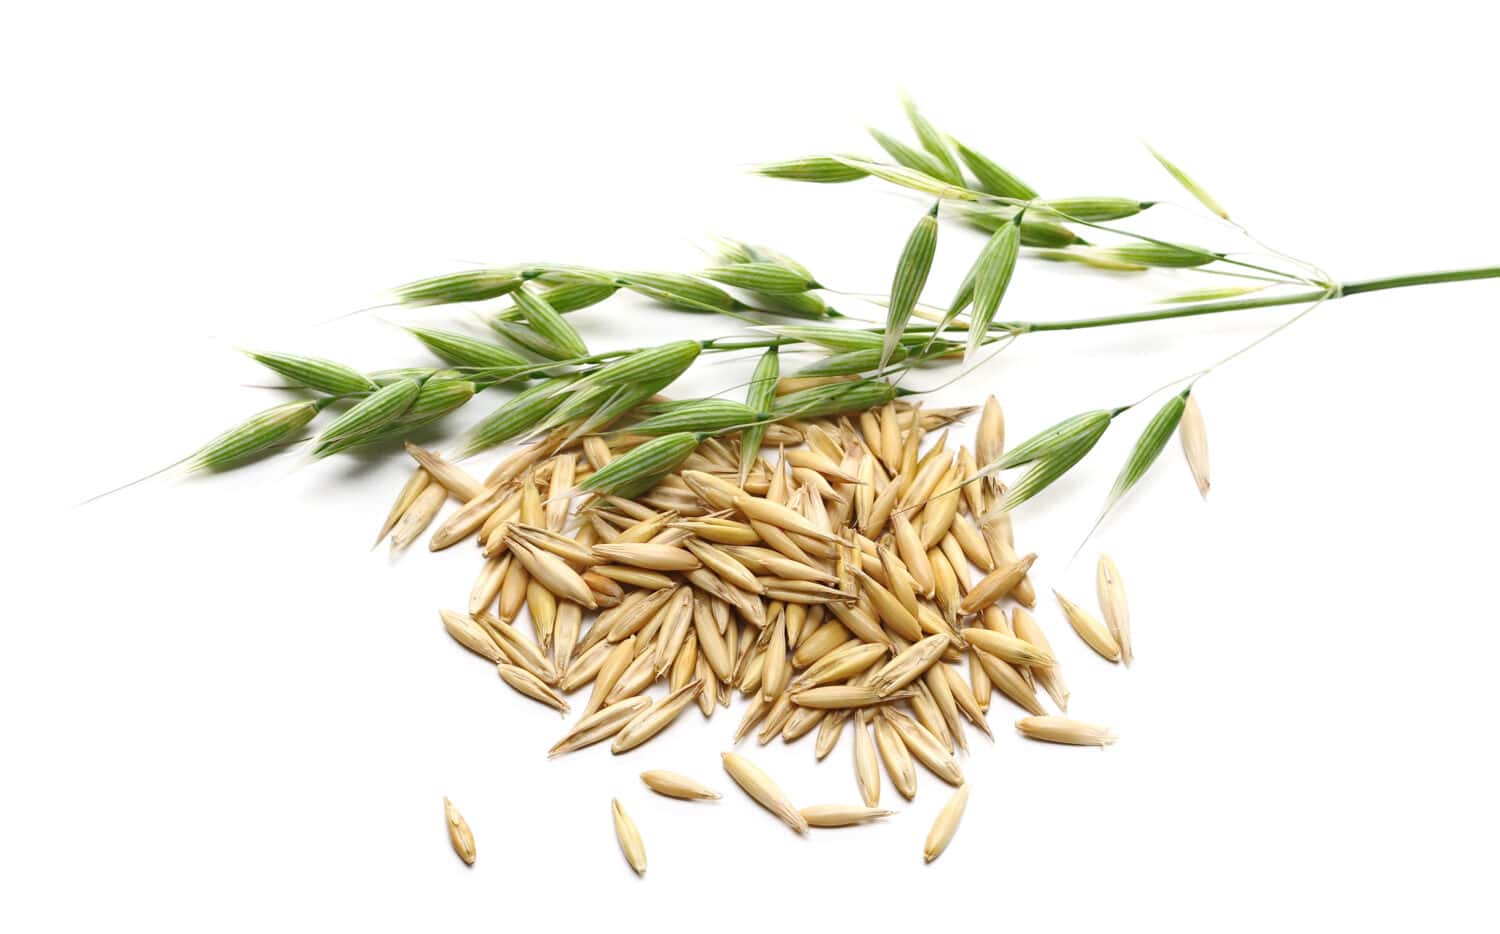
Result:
[
  {"x": 372, "y": 413},
  {"x": 772, "y": 278},
  {"x": 253, "y": 436},
  {"x": 315, "y": 373},
  {"x": 641, "y": 468},
  {"x": 546, "y": 321},
  {"x": 821, "y": 169},
  {"x": 1193, "y": 188},
  {"x": 461, "y": 350},
  {"x": 932, "y": 141},
  {"x": 759, "y": 397},
  {"x": 991, "y": 177},
  {"x": 911, "y": 276}
]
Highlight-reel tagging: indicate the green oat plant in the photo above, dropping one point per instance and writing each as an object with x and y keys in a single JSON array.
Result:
[{"x": 553, "y": 381}]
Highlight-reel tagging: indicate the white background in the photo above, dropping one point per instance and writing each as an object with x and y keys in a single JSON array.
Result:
[{"x": 222, "y": 711}]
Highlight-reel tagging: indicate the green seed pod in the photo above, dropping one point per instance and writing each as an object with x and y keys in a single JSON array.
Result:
[
  {"x": 564, "y": 274},
  {"x": 437, "y": 398},
  {"x": 759, "y": 397},
  {"x": 1052, "y": 439},
  {"x": 1090, "y": 258},
  {"x": 258, "y": 433},
  {"x": 519, "y": 413},
  {"x": 474, "y": 285},
  {"x": 544, "y": 320},
  {"x": 914, "y": 159},
  {"x": 764, "y": 254},
  {"x": 1195, "y": 189},
  {"x": 1036, "y": 233},
  {"x": 314, "y": 373},
  {"x": 796, "y": 305},
  {"x": 822, "y": 169},
  {"x": 376, "y": 410},
  {"x": 582, "y": 402},
  {"x": 992, "y": 178},
  {"x": 1094, "y": 209},
  {"x": 835, "y": 339},
  {"x": 850, "y": 362},
  {"x": 679, "y": 291},
  {"x": 462, "y": 350},
  {"x": 762, "y": 277},
  {"x": 523, "y": 336},
  {"x": 570, "y": 296},
  {"x": 1158, "y": 254},
  {"x": 698, "y": 415},
  {"x": 641, "y": 468},
  {"x": 911, "y": 276},
  {"x": 1047, "y": 469},
  {"x": 396, "y": 374},
  {"x": 1148, "y": 446},
  {"x": 834, "y": 399},
  {"x": 654, "y": 366},
  {"x": 992, "y": 272},
  {"x": 440, "y": 395},
  {"x": 1210, "y": 295},
  {"x": 913, "y": 179},
  {"x": 932, "y": 141}
]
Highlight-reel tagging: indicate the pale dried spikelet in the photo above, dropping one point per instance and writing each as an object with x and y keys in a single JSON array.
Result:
[
  {"x": 459, "y": 833},
  {"x": 941, "y": 693},
  {"x": 841, "y": 815},
  {"x": 529, "y": 684},
  {"x": 630, "y": 838},
  {"x": 1111, "y": 590},
  {"x": 1015, "y": 650},
  {"x": 776, "y": 718},
  {"x": 913, "y": 555},
  {"x": 454, "y": 479},
  {"x": 565, "y": 635},
  {"x": 513, "y": 591},
  {"x": 989, "y": 438},
  {"x": 1065, "y": 730},
  {"x": 1008, "y": 680},
  {"x": 1089, "y": 629},
  {"x": 553, "y": 573},
  {"x": 996, "y": 584},
  {"x": 964, "y": 697},
  {"x": 1194, "y": 438},
  {"x": 896, "y": 756},
  {"x": 487, "y": 585},
  {"x": 600, "y": 725},
  {"x": 1025, "y": 626},
  {"x": 418, "y": 516},
  {"x": 469, "y": 634},
  {"x": 649, "y": 556},
  {"x": 926, "y": 747},
  {"x": 829, "y": 730},
  {"x": 767, "y": 794},
  {"x": 866, "y": 766},
  {"x": 467, "y": 520},
  {"x": 413, "y": 488},
  {"x": 615, "y": 664},
  {"x": 909, "y": 665},
  {"x": 782, "y": 517},
  {"x": 946, "y": 825},
  {"x": 584, "y": 666},
  {"x": 776, "y": 670},
  {"x": 651, "y": 722},
  {"x": 842, "y": 696},
  {"x": 674, "y": 785}
]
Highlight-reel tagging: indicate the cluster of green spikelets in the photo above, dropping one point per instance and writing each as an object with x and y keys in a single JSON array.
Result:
[{"x": 559, "y": 382}]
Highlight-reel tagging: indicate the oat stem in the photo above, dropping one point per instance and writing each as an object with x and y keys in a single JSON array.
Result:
[{"x": 1244, "y": 304}]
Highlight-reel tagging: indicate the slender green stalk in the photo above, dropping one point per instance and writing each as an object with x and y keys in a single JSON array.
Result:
[{"x": 1245, "y": 304}]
